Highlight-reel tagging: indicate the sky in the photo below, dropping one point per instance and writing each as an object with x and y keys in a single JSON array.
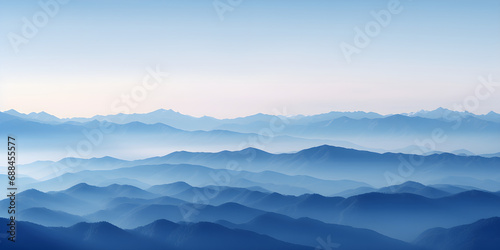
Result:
[{"x": 87, "y": 57}]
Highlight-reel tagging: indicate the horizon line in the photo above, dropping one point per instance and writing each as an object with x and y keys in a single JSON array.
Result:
[{"x": 260, "y": 113}]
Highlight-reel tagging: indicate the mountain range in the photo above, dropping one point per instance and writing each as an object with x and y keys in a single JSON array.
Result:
[
  {"x": 483, "y": 234},
  {"x": 157, "y": 235},
  {"x": 176, "y": 119},
  {"x": 324, "y": 169},
  {"x": 341, "y": 180},
  {"x": 386, "y": 213},
  {"x": 163, "y": 234},
  {"x": 171, "y": 131}
]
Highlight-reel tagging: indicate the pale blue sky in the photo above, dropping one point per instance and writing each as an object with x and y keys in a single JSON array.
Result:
[{"x": 264, "y": 55}]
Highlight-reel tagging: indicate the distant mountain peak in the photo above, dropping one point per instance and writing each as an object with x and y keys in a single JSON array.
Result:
[
  {"x": 437, "y": 113},
  {"x": 103, "y": 225},
  {"x": 250, "y": 149},
  {"x": 12, "y": 111},
  {"x": 180, "y": 183},
  {"x": 32, "y": 191},
  {"x": 83, "y": 184},
  {"x": 81, "y": 187},
  {"x": 159, "y": 226},
  {"x": 325, "y": 148},
  {"x": 164, "y": 111},
  {"x": 413, "y": 184}
]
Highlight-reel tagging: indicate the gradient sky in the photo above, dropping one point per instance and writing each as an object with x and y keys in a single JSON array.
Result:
[{"x": 264, "y": 55}]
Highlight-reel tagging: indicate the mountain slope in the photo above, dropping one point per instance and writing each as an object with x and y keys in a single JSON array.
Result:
[
  {"x": 157, "y": 235},
  {"x": 202, "y": 176},
  {"x": 49, "y": 218},
  {"x": 134, "y": 215},
  {"x": 53, "y": 201},
  {"x": 96, "y": 194},
  {"x": 314, "y": 233},
  {"x": 483, "y": 234},
  {"x": 330, "y": 162},
  {"x": 206, "y": 235}
]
